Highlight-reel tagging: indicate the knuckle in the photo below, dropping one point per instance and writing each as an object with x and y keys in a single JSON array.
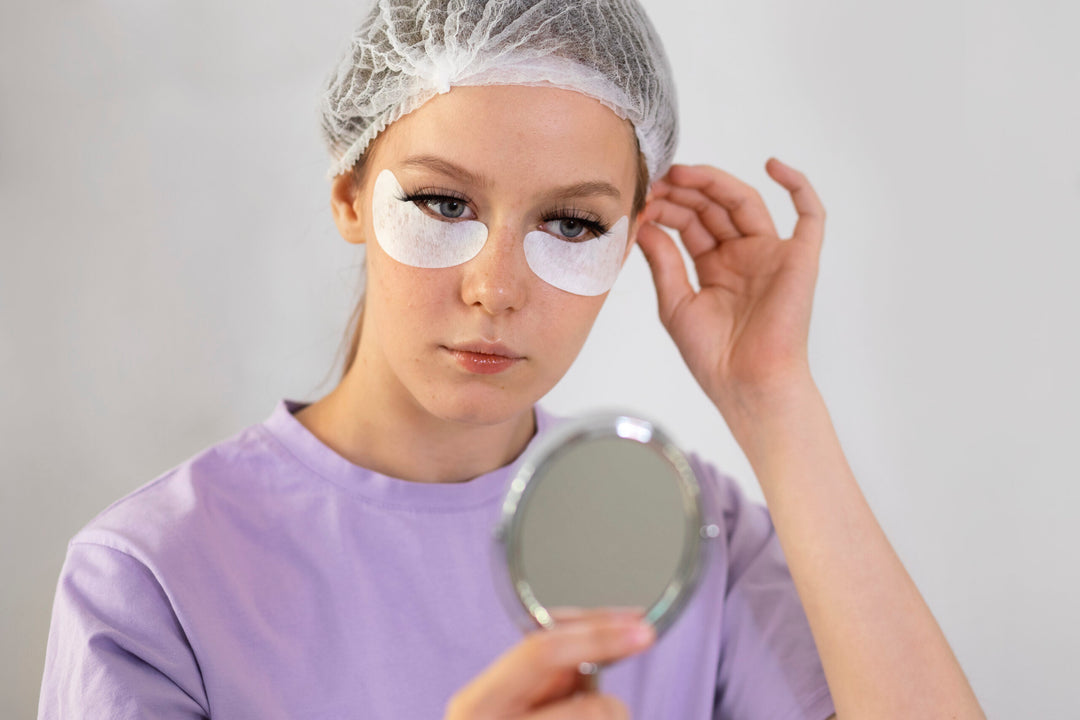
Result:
[
  {"x": 599, "y": 636},
  {"x": 609, "y": 641},
  {"x": 700, "y": 203}
]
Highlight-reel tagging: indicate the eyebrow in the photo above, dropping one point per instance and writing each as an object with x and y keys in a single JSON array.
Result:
[{"x": 589, "y": 188}]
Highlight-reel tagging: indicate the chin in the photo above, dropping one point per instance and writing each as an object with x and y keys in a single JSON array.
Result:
[{"x": 479, "y": 404}]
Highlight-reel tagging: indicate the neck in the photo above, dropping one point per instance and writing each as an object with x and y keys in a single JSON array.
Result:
[{"x": 371, "y": 424}]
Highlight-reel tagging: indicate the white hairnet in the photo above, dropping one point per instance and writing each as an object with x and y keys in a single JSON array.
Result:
[{"x": 407, "y": 51}]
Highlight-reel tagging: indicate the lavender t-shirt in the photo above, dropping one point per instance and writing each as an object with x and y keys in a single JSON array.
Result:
[{"x": 268, "y": 577}]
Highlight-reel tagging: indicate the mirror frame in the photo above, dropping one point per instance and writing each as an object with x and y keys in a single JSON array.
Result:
[{"x": 518, "y": 594}]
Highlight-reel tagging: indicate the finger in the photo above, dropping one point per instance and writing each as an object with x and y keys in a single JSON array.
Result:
[
  {"x": 592, "y": 706},
  {"x": 659, "y": 188},
  {"x": 695, "y": 236},
  {"x": 810, "y": 227},
  {"x": 579, "y": 614},
  {"x": 742, "y": 201},
  {"x": 669, "y": 274},
  {"x": 545, "y": 663},
  {"x": 714, "y": 217}
]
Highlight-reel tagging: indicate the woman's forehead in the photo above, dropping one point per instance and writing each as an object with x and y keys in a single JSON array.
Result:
[{"x": 483, "y": 134}]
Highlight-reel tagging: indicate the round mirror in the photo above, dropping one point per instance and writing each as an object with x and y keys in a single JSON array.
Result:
[{"x": 605, "y": 512}]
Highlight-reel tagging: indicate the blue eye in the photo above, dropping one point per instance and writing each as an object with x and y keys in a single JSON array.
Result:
[
  {"x": 570, "y": 227},
  {"x": 447, "y": 207},
  {"x": 439, "y": 205},
  {"x": 574, "y": 229}
]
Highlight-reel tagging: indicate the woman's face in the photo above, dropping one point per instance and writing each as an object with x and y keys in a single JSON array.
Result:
[{"x": 481, "y": 341}]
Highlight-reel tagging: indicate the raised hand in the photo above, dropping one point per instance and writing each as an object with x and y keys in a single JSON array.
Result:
[{"x": 745, "y": 331}]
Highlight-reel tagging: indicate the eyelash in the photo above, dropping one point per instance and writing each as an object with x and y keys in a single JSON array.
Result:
[
  {"x": 591, "y": 223},
  {"x": 433, "y": 195}
]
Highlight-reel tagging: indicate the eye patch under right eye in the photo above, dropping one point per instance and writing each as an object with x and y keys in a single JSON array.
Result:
[{"x": 412, "y": 237}]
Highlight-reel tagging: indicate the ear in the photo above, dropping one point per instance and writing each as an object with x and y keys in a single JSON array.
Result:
[
  {"x": 631, "y": 238},
  {"x": 344, "y": 202}
]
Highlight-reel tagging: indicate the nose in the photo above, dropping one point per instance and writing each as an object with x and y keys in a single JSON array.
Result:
[{"x": 496, "y": 280}]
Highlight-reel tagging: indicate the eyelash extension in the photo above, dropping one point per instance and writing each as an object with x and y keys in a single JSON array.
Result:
[
  {"x": 591, "y": 223},
  {"x": 433, "y": 194}
]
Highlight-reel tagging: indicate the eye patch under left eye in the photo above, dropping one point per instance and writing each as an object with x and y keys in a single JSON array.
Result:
[
  {"x": 582, "y": 268},
  {"x": 412, "y": 237}
]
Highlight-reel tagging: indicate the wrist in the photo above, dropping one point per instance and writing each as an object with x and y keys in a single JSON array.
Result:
[
  {"x": 752, "y": 402},
  {"x": 763, "y": 415}
]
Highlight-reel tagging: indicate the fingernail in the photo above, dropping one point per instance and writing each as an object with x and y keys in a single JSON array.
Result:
[{"x": 641, "y": 635}]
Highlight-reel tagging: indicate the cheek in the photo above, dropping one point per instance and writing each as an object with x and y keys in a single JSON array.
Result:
[
  {"x": 407, "y": 298},
  {"x": 577, "y": 314},
  {"x": 586, "y": 268},
  {"x": 412, "y": 237}
]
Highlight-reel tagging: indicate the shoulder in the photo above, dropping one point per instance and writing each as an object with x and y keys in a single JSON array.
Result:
[
  {"x": 727, "y": 496},
  {"x": 180, "y": 507},
  {"x": 747, "y": 537}
]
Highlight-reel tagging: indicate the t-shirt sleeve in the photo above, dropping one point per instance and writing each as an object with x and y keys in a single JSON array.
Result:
[
  {"x": 116, "y": 649},
  {"x": 769, "y": 664}
]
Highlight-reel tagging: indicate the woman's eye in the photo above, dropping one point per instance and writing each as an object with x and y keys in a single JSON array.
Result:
[
  {"x": 447, "y": 207},
  {"x": 572, "y": 228},
  {"x": 441, "y": 206}
]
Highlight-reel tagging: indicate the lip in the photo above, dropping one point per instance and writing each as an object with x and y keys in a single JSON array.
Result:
[
  {"x": 484, "y": 358},
  {"x": 480, "y": 347}
]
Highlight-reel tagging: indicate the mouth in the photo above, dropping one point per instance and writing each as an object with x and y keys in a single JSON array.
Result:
[
  {"x": 495, "y": 349},
  {"x": 483, "y": 358}
]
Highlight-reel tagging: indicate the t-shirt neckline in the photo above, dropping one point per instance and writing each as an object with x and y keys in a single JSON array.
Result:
[{"x": 385, "y": 490}]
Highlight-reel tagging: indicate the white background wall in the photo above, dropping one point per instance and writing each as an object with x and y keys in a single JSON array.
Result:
[{"x": 169, "y": 270}]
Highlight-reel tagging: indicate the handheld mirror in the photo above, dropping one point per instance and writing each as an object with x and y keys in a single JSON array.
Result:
[{"x": 605, "y": 512}]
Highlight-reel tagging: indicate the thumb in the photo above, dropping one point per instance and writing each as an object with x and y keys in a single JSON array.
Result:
[{"x": 668, "y": 270}]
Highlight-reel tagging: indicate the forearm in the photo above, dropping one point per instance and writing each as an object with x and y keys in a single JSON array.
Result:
[{"x": 883, "y": 653}]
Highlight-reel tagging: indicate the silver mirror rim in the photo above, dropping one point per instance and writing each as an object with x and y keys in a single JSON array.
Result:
[{"x": 516, "y": 589}]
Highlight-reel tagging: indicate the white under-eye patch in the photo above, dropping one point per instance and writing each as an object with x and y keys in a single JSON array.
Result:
[
  {"x": 588, "y": 267},
  {"x": 411, "y": 236}
]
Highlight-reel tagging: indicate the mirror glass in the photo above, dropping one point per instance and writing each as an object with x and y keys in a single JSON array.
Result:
[
  {"x": 606, "y": 512},
  {"x": 603, "y": 527}
]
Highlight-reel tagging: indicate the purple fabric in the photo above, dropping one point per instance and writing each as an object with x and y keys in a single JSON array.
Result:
[{"x": 268, "y": 577}]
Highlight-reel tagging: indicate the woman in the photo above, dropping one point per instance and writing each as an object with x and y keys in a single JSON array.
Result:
[{"x": 494, "y": 159}]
